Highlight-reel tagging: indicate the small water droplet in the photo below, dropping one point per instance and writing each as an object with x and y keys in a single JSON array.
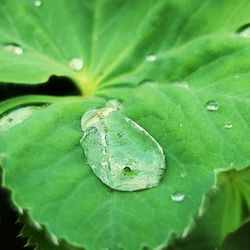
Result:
[
  {"x": 121, "y": 154},
  {"x": 181, "y": 125},
  {"x": 183, "y": 174},
  {"x": 151, "y": 58},
  {"x": 114, "y": 104},
  {"x": 13, "y": 48},
  {"x": 228, "y": 125},
  {"x": 176, "y": 196},
  {"x": 236, "y": 76},
  {"x": 244, "y": 31},
  {"x": 76, "y": 64},
  {"x": 37, "y": 3},
  {"x": 212, "y": 105}
]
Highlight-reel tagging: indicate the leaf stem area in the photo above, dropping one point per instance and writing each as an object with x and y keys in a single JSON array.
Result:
[{"x": 85, "y": 85}]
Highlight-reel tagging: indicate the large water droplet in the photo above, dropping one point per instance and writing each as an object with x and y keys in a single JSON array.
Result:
[
  {"x": 244, "y": 31},
  {"x": 120, "y": 152},
  {"x": 37, "y": 3},
  {"x": 228, "y": 125},
  {"x": 13, "y": 48},
  {"x": 76, "y": 64},
  {"x": 212, "y": 105},
  {"x": 16, "y": 117},
  {"x": 176, "y": 196},
  {"x": 151, "y": 58}
]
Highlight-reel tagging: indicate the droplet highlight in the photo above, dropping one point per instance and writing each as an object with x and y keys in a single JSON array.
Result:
[
  {"x": 76, "y": 64},
  {"x": 212, "y": 105},
  {"x": 228, "y": 125},
  {"x": 151, "y": 58},
  {"x": 13, "y": 48},
  {"x": 37, "y": 3},
  {"x": 122, "y": 154},
  {"x": 244, "y": 31},
  {"x": 178, "y": 197}
]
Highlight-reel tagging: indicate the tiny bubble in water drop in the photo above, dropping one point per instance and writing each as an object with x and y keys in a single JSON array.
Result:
[
  {"x": 212, "y": 105},
  {"x": 228, "y": 125},
  {"x": 76, "y": 64},
  {"x": 14, "y": 48},
  {"x": 151, "y": 58},
  {"x": 176, "y": 196}
]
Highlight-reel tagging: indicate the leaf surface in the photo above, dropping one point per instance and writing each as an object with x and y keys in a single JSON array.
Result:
[{"x": 164, "y": 61}]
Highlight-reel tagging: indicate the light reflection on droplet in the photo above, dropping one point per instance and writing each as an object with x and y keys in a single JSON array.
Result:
[
  {"x": 212, "y": 105},
  {"x": 244, "y": 31},
  {"x": 178, "y": 197},
  {"x": 37, "y": 3},
  {"x": 151, "y": 58},
  {"x": 228, "y": 125},
  {"x": 13, "y": 48}
]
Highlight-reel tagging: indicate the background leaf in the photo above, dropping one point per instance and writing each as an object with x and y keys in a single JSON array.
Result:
[{"x": 164, "y": 61}]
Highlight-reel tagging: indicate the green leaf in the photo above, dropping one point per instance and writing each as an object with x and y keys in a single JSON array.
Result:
[
  {"x": 69, "y": 192},
  {"x": 164, "y": 61},
  {"x": 238, "y": 239},
  {"x": 225, "y": 208}
]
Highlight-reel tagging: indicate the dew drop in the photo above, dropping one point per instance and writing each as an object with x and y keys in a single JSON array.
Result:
[
  {"x": 121, "y": 154},
  {"x": 37, "y": 3},
  {"x": 212, "y": 105},
  {"x": 176, "y": 196},
  {"x": 76, "y": 64},
  {"x": 244, "y": 31},
  {"x": 181, "y": 125},
  {"x": 151, "y": 58},
  {"x": 228, "y": 125},
  {"x": 16, "y": 117},
  {"x": 13, "y": 48},
  {"x": 114, "y": 104}
]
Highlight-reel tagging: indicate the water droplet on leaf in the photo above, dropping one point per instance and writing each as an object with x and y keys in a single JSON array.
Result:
[
  {"x": 244, "y": 31},
  {"x": 113, "y": 104},
  {"x": 76, "y": 64},
  {"x": 176, "y": 196},
  {"x": 37, "y": 3},
  {"x": 13, "y": 48},
  {"x": 212, "y": 105},
  {"x": 151, "y": 58},
  {"x": 16, "y": 117},
  {"x": 228, "y": 125},
  {"x": 122, "y": 154}
]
